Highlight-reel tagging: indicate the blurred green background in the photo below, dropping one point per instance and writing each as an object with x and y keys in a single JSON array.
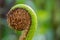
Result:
[{"x": 48, "y": 17}]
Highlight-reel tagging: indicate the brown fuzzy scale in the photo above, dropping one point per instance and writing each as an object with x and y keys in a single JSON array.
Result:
[{"x": 19, "y": 19}]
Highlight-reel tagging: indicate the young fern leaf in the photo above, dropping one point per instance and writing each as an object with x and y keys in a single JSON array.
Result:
[{"x": 21, "y": 17}]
